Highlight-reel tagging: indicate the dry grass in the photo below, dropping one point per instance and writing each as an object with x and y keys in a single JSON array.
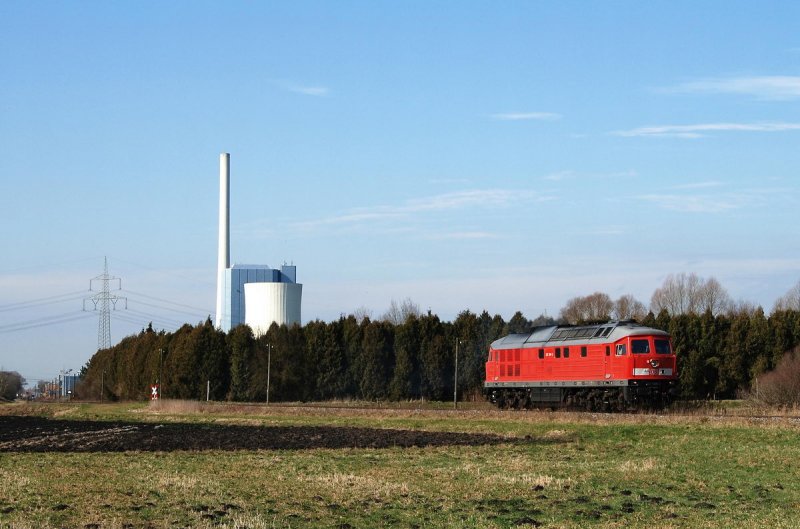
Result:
[
  {"x": 646, "y": 465},
  {"x": 563, "y": 470}
]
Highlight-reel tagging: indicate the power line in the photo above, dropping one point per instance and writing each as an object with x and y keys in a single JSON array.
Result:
[
  {"x": 154, "y": 318},
  {"x": 144, "y": 322},
  {"x": 203, "y": 310},
  {"x": 193, "y": 313},
  {"x": 43, "y": 322},
  {"x": 60, "y": 298},
  {"x": 42, "y": 319},
  {"x": 164, "y": 272}
]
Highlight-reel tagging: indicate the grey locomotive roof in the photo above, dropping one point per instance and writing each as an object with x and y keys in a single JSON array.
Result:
[{"x": 565, "y": 335}]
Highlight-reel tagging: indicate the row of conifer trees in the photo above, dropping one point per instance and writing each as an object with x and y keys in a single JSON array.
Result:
[{"x": 348, "y": 358}]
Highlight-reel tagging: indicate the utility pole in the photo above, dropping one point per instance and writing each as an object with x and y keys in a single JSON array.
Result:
[
  {"x": 105, "y": 301},
  {"x": 269, "y": 361},
  {"x": 455, "y": 379},
  {"x": 208, "y": 390},
  {"x": 160, "y": 373}
]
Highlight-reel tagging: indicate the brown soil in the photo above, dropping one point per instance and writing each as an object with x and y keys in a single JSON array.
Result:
[{"x": 37, "y": 434}]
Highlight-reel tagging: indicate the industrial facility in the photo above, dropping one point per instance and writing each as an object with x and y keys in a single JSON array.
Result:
[{"x": 255, "y": 295}]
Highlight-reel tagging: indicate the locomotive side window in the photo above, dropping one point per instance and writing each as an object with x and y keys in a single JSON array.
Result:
[
  {"x": 566, "y": 352},
  {"x": 640, "y": 347},
  {"x": 558, "y": 352},
  {"x": 621, "y": 349},
  {"x": 541, "y": 353},
  {"x": 583, "y": 351},
  {"x": 608, "y": 350},
  {"x": 662, "y": 347}
]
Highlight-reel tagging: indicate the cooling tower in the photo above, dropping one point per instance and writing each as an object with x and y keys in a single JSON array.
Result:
[{"x": 271, "y": 302}]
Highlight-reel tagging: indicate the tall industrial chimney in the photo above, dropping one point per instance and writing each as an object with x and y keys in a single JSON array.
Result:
[{"x": 224, "y": 257}]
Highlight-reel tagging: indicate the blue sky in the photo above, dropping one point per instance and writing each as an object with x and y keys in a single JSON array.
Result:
[{"x": 466, "y": 155}]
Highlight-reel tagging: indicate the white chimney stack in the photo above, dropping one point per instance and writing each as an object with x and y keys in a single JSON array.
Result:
[{"x": 224, "y": 257}]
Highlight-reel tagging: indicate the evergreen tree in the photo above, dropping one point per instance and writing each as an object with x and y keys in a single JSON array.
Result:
[
  {"x": 353, "y": 331},
  {"x": 214, "y": 364},
  {"x": 405, "y": 383},
  {"x": 181, "y": 372},
  {"x": 377, "y": 360},
  {"x": 472, "y": 353},
  {"x": 436, "y": 359},
  {"x": 518, "y": 324},
  {"x": 332, "y": 377},
  {"x": 314, "y": 333},
  {"x": 241, "y": 344}
]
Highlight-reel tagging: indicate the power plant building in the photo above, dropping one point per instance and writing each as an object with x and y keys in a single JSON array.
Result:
[{"x": 255, "y": 295}]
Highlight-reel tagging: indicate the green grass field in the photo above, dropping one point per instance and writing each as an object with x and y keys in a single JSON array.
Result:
[{"x": 558, "y": 470}]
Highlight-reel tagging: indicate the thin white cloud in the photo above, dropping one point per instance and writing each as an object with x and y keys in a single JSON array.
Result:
[
  {"x": 558, "y": 176},
  {"x": 691, "y": 203},
  {"x": 297, "y": 88},
  {"x": 711, "y": 202},
  {"x": 448, "y": 201},
  {"x": 465, "y": 235},
  {"x": 317, "y": 91},
  {"x": 699, "y": 130},
  {"x": 462, "y": 199},
  {"x": 449, "y": 181},
  {"x": 606, "y": 230},
  {"x": 770, "y": 87},
  {"x": 526, "y": 116},
  {"x": 698, "y": 185}
]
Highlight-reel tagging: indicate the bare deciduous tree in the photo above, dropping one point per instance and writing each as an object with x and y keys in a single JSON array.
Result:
[
  {"x": 11, "y": 383},
  {"x": 595, "y": 307},
  {"x": 780, "y": 387},
  {"x": 362, "y": 313},
  {"x": 790, "y": 300},
  {"x": 689, "y": 294},
  {"x": 628, "y": 307},
  {"x": 398, "y": 314},
  {"x": 713, "y": 297},
  {"x": 742, "y": 307}
]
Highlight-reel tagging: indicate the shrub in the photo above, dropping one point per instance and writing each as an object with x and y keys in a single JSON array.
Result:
[{"x": 781, "y": 386}]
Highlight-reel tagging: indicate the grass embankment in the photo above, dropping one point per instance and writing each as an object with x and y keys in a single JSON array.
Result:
[{"x": 559, "y": 470}]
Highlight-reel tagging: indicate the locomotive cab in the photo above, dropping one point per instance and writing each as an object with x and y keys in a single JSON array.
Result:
[{"x": 650, "y": 368}]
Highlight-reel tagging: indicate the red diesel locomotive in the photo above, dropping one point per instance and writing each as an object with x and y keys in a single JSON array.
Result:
[{"x": 613, "y": 366}]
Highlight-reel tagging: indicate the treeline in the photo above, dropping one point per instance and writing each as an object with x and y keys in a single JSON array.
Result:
[{"x": 350, "y": 358}]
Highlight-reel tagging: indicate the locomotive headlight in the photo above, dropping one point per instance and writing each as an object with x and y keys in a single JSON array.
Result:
[{"x": 654, "y": 363}]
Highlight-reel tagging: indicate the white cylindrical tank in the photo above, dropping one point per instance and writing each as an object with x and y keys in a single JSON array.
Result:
[{"x": 266, "y": 303}]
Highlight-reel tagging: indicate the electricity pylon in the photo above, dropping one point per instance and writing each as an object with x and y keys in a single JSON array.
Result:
[{"x": 105, "y": 301}]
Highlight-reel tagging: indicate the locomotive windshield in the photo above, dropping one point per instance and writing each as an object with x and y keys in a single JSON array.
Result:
[
  {"x": 662, "y": 347},
  {"x": 640, "y": 347}
]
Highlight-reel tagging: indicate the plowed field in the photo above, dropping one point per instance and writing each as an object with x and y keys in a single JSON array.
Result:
[{"x": 36, "y": 434}]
